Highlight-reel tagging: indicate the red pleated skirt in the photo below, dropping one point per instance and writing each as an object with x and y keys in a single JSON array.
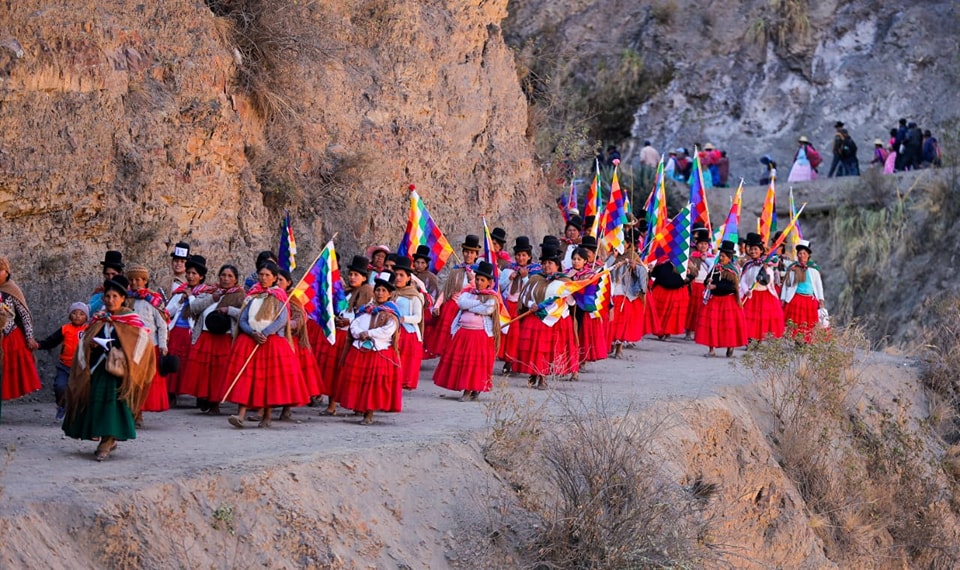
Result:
[
  {"x": 627, "y": 319},
  {"x": 206, "y": 366},
  {"x": 411, "y": 355},
  {"x": 330, "y": 356},
  {"x": 695, "y": 306},
  {"x": 721, "y": 323},
  {"x": 508, "y": 343},
  {"x": 315, "y": 336},
  {"x": 178, "y": 344},
  {"x": 764, "y": 315},
  {"x": 370, "y": 381},
  {"x": 671, "y": 307},
  {"x": 440, "y": 331},
  {"x": 548, "y": 350},
  {"x": 272, "y": 378},
  {"x": 310, "y": 370},
  {"x": 593, "y": 339},
  {"x": 651, "y": 317},
  {"x": 468, "y": 362},
  {"x": 429, "y": 330},
  {"x": 19, "y": 367},
  {"x": 157, "y": 399},
  {"x": 802, "y": 310}
]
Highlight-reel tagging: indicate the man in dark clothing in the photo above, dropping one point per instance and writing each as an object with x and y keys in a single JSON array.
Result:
[
  {"x": 612, "y": 154},
  {"x": 849, "y": 163},
  {"x": 837, "y": 151},
  {"x": 913, "y": 147},
  {"x": 898, "y": 144}
]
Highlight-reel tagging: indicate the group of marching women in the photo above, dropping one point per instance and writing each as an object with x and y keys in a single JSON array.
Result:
[{"x": 252, "y": 343}]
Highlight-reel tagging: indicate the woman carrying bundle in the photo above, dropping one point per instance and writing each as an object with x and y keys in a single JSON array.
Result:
[
  {"x": 150, "y": 307},
  {"x": 372, "y": 377}
]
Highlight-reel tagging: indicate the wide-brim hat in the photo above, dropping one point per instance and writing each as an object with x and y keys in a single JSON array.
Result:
[
  {"x": 118, "y": 283},
  {"x": 576, "y": 222},
  {"x": 217, "y": 322},
  {"x": 423, "y": 252},
  {"x": 728, "y": 247},
  {"x": 485, "y": 268},
  {"x": 804, "y": 244},
  {"x": 709, "y": 146},
  {"x": 549, "y": 252},
  {"x": 877, "y": 142},
  {"x": 375, "y": 248},
  {"x": 198, "y": 262},
  {"x": 404, "y": 264},
  {"x": 113, "y": 259},
  {"x": 181, "y": 250},
  {"x": 471, "y": 243},
  {"x": 499, "y": 235},
  {"x": 754, "y": 239},
  {"x": 386, "y": 279},
  {"x": 360, "y": 264},
  {"x": 803, "y": 139},
  {"x": 522, "y": 243},
  {"x": 589, "y": 242}
]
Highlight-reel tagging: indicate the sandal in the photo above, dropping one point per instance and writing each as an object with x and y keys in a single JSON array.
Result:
[
  {"x": 265, "y": 422},
  {"x": 101, "y": 453},
  {"x": 729, "y": 352},
  {"x": 327, "y": 413},
  {"x": 236, "y": 421},
  {"x": 254, "y": 418},
  {"x": 286, "y": 416}
]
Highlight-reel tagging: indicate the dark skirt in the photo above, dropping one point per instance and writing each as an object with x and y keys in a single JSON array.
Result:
[{"x": 104, "y": 415}]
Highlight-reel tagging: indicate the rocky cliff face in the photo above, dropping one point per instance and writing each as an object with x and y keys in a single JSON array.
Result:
[
  {"x": 748, "y": 76},
  {"x": 130, "y": 126}
]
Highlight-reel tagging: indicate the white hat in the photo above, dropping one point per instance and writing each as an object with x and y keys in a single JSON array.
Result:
[{"x": 804, "y": 244}]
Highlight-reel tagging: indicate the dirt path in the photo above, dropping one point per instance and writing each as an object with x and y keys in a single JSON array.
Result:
[{"x": 43, "y": 466}]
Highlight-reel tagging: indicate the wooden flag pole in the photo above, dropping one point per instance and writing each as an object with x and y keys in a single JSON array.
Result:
[{"x": 285, "y": 305}]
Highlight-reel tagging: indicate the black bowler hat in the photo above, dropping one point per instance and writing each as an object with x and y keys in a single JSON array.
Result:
[
  {"x": 386, "y": 279},
  {"x": 589, "y": 242},
  {"x": 423, "y": 252},
  {"x": 549, "y": 252},
  {"x": 403, "y": 262},
  {"x": 199, "y": 263},
  {"x": 576, "y": 222},
  {"x": 728, "y": 248},
  {"x": 113, "y": 259},
  {"x": 485, "y": 268},
  {"x": 471, "y": 243},
  {"x": 360, "y": 264},
  {"x": 181, "y": 250},
  {"x": 701, "y": 235},
  {"x": 550, "y": 240},
  {"x": 499, "y": 235},
  {"x": 522, "y": 243},
  {"x": 119, "y": 283},
  {"x": 754, "y": 239},
  {"x": 838, "y": 125}
]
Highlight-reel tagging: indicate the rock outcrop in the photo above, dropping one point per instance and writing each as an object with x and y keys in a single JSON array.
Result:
[{"x": 130, "y": 126}]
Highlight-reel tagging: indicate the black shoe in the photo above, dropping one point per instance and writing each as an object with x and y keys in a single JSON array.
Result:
[{"x": 203, "y": 404}]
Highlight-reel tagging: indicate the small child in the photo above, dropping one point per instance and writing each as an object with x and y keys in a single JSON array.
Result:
[{"x": 68, "y": 335}]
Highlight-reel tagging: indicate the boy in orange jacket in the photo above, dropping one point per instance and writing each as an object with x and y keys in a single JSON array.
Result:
[{"x": 69, "y": 336}]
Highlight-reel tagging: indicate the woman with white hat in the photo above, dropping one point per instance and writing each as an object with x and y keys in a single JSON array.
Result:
[{"x": 805, "y": 162}]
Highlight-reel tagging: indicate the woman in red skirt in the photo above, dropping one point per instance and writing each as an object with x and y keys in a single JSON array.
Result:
[
  {"x": 19, "y": 374},
  {"x": 548, "y": 344},
  {"x": 802, "y": 293},
  {"x": 301, "y": 345},
  {"x": 701, "y": 261},
  {"x": 372, "y": 375},
  {"x": 149, "y": 306},
  {"x": 591, "y": 327},
  {"x": 359, "y": 293},
  {"x": 630, "y": 300},
  {"x": 409, "y": 300},
  {"x": 761, "y": 305},
  {"x": 213, "y": 333},
  {"x": 721, "y": 322},
  {"x": 467, "y": 365},
  {"x": 671, "y": 296},
  {"x": 460, "y": 278},
  {"x": 186, "y": 304},
  {"x": 512, "y": 280},
  {"x": 263, "y": 370}
]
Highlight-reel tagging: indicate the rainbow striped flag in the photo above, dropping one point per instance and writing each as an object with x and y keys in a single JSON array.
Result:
[
  {"x": 656, "y": 209},
  {"x": 287, "y": 252},
  {"x": 783, "y": 236},
  {"x": 698, "y": 197},
  {"x": 550, "y": 311},
  {"x": 731, "y": 228},
  {"x": 489, "y": 255},
  {"x": 593, "y": 204},
  {"x": 615, "y": 216},
  {"x": 768, "y": 220},
  {"x": 422, "y": 230},
  {"x": 674, "y": 241},
  {"x": 321, "y": 291},
  {"x": 797, "y": 233}
]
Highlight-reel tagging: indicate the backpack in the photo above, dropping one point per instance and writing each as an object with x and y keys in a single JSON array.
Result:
[
  {"x": 813, "y": 156},
  {"x": 849, "y": 148}
]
